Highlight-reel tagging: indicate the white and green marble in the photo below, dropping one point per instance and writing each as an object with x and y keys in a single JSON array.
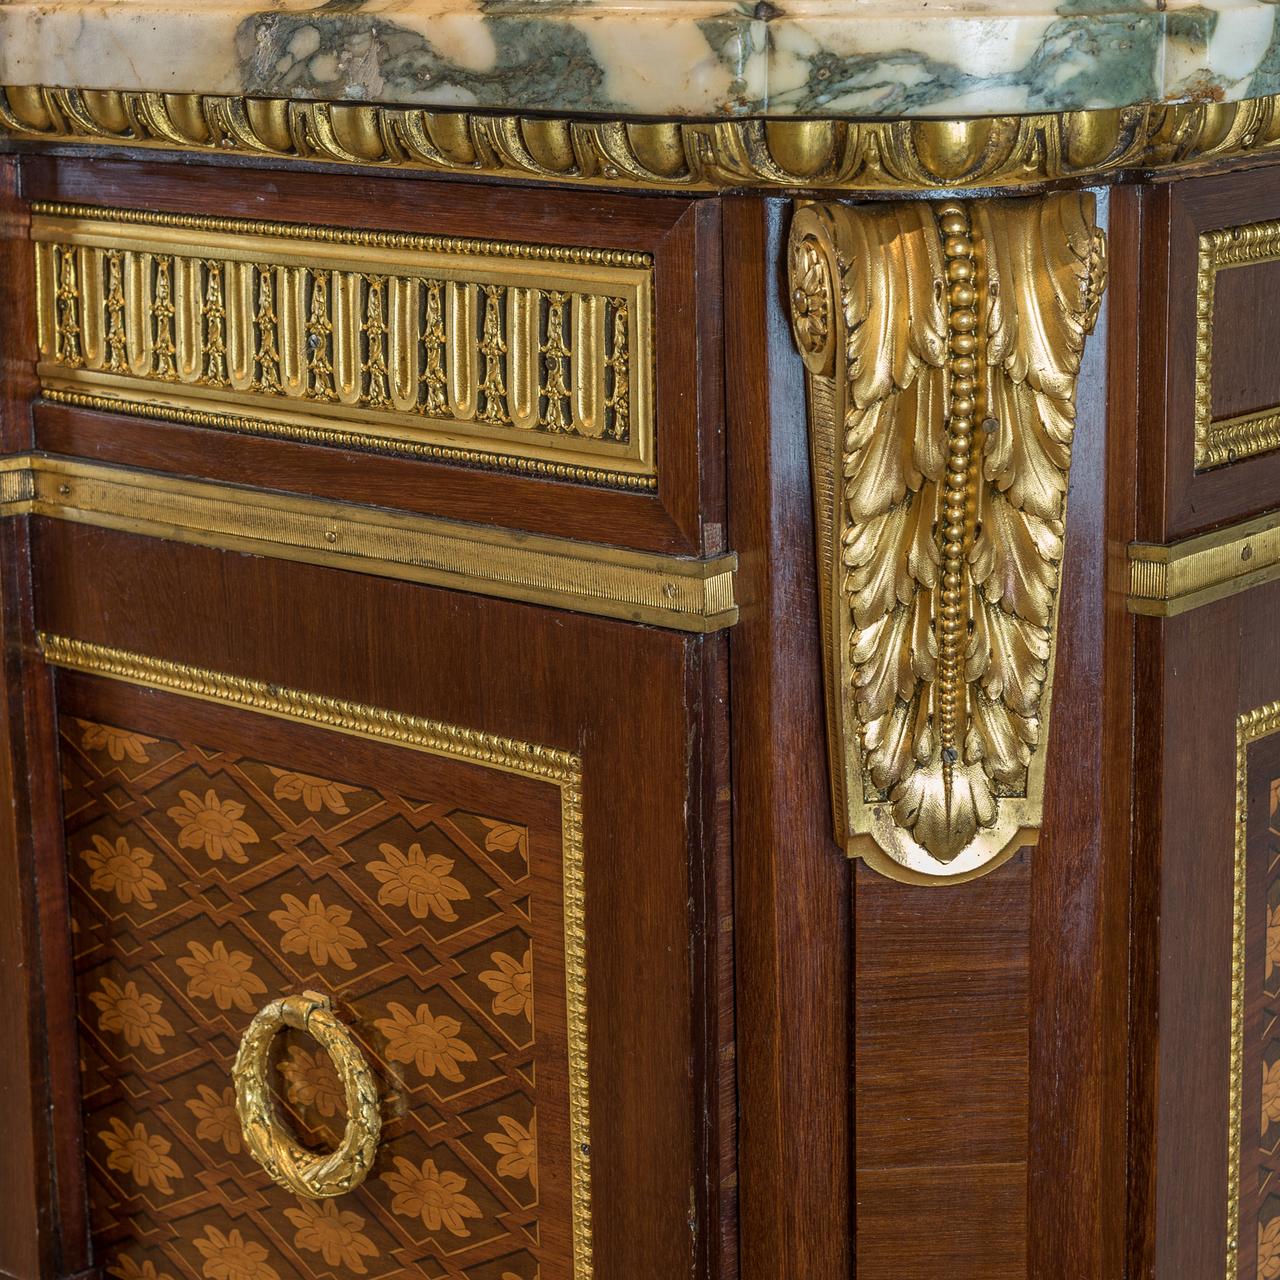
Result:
[{"x": 700, "y": 58}]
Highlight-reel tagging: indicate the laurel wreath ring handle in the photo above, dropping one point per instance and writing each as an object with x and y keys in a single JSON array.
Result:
[{"x": 315, "y": 1176}]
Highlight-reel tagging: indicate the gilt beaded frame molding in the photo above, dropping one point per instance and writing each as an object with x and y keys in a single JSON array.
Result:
[
  {"x": 781, "y": 153},
  {"x": 562, "y": 769},
  {"x": 1220, "y": 443}
]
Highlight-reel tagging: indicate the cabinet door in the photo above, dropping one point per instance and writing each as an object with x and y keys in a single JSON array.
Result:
[
  {"x": 1206, "y": 906},
  {"x": 478, "y": 829}
]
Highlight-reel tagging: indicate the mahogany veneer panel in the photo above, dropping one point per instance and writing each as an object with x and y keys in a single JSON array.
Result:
[
  {"x": 1246, "y": 318},
  {"x": 962, "y": 1223},
  {"x": 941, "y": 1016},
  {"x": 1202, "y": 671}
]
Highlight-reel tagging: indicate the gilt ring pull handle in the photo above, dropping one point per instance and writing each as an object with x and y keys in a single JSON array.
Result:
[{"x": 306, "y": 1173}]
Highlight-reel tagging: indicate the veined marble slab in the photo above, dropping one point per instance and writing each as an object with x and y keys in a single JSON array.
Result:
[{"x": 702, "y": 58}]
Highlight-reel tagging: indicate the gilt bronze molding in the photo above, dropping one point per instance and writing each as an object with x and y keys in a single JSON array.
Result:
[
  {"x": 1221, "y": 442},
  {"x": 691, "y": 155},
  {"x": 942, "y": 344},
  {"x": 1166, "y": 579}
]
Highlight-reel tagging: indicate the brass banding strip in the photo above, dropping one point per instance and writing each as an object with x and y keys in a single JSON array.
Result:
[
  {"x": 670, "y": 591},
  {"x": 562, "y": 769},
  {"x": 1168, "y": 579}
]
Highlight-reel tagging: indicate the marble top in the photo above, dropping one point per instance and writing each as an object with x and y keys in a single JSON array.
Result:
[{"x": 697, "y": 58}]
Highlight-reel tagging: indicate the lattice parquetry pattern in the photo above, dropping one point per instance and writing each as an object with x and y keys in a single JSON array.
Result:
[{"x": 205, "y": 884}]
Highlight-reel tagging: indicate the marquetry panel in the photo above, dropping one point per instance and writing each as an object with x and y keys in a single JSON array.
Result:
[
  {"x": 207, "y": 882},
  {"x": 532, "y": 357},
  {"x": 1268, "y": 1189}
]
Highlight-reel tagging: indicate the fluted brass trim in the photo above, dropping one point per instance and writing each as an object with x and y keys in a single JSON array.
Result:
[
  {"x": 306, "y": 1173},
  {"x": 942, "y": 345},
  {"x": 561, "y": 768},
  {"x": 688, "y": 155},
  {"x": 526, "y": 356},
  {"x": 1168, "y": 579},
  {"x": 1221, "y": 442},
  {"x": 670, "y": 591}
]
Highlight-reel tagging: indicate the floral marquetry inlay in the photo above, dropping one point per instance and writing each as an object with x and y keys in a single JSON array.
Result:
[
  {"x": 207, "y": 883},
  {"x": 1268, "y": 1187}
]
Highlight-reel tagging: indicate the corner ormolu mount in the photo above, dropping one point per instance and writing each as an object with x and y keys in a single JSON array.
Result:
[{"x": 942, "y": 342}]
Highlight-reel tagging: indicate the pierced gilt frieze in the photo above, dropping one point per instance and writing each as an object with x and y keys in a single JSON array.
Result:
[
  {"x": 531, "y": 357},
  {"x": 943, "y": 344}
]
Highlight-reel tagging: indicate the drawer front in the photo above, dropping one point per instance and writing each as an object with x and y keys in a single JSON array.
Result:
[
  {"x": 535, "y": 360},
  {"x": 1207, "y": 333}
]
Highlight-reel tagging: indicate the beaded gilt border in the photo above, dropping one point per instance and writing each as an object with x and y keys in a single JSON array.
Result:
[
  {"x": 1219, "y": 443},
  {"x": 562, "y": 769}
]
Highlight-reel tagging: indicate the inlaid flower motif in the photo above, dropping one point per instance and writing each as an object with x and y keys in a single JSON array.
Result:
[
  {"x": 1270, "y": 1095},
  {"x": 213, "y": 825},
  {"x": 1273, "y": 940},
  {"x": 232, "y": 1257},
  {"x": 511, "y": 983},
  {"x": 225, "y": 975},
  {"x": 127, "y": 1268},
  {"x": 135, "y": 1014},
  {"x": 311, "y": 1081},
  {"x": 505, "y": 837},
  {"x": 143, "y": 1156},
  {"x": 517, "y": 1148},
  {"x": 316, "y": 930},
  {"x": 119, "y": 744},
  {"x": 333, "y": 1233},
  {"x": 218, "y": 1119},
  {"x": 123, "y": 869},
  {"x": 421, "y": 881},
  {"x": 315, "y": 793},
  {"x": 433, "y": 1196},
  {"x": 1269, "y": 1250},
  {"x": 430, "y": 1042}
]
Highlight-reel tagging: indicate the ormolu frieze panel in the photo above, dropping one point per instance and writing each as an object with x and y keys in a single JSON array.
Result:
[
  {"x": 207, "y": 882},
  {"x": 530, "y": 357},
  {"x": 942, "y": 344}
]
